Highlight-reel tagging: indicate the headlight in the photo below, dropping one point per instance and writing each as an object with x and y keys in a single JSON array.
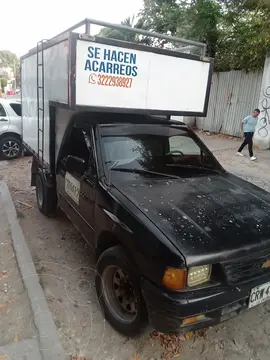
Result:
[{"x": 198, "y": 275}]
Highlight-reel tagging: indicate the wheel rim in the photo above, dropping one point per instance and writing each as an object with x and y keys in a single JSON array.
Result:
[
  {"x": 119, "y": 295},
  {"x": 10, "y": 148},
  {"x": 39, "y": 189}
]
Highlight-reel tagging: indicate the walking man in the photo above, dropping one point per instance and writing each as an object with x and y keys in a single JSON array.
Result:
[{"x": 248, "y": 126}]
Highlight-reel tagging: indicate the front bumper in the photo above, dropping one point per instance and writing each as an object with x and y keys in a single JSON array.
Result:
[{"x": 168, "y": 310}]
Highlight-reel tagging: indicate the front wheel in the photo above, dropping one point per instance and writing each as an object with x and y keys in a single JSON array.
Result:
[
  {"x": 119, "y": 293},
  {"x": 46, "y": 196},
  {"x": 10, "y": 148}
]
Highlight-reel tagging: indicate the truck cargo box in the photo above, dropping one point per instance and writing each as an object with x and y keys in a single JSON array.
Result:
[{"x": 80, "y": 71}]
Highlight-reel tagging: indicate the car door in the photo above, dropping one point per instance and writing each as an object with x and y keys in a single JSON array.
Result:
[
  {"x": 89, "y": 185},
  {"x": 4, "y": 119},
  {"x": 75, "y": 192},
  {"x": 15, "y": 119}
]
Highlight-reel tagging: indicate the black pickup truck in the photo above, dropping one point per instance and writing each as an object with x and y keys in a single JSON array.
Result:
[{"x": 179, "y": 241}]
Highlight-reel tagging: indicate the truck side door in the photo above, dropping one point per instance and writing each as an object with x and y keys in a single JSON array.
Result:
[
  {"x": 89, "y": 185},
  {"x": 75, "y": 196}
]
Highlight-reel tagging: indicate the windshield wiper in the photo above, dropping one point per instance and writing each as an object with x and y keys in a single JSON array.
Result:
[
  {"x": 193, "y": 167},
  {"x": 114, "y": 163},
  {"x": 142, "y": 171}
]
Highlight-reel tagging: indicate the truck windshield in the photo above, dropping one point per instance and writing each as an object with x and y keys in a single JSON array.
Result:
[{"x": 164, "y": 149}]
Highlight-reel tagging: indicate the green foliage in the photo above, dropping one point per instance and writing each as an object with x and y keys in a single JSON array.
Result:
[
  {"x": 3, "y": 83},
  {"x": 203, "y": 19},
  {"x": 7, "y": 58},
  {"x": 161, "y": 16},
  {"x": 245, "y": 36},
  {"x": 244, "y": 44},
  {"x": 236, "y": 32},
  {"x": 121, "y": 34}
]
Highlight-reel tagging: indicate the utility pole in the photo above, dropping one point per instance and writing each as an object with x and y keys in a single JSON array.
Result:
[{"x": 15, "y": 74}]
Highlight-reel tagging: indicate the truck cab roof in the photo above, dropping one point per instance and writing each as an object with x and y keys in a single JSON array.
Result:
[{"x": 109, "y": 119}]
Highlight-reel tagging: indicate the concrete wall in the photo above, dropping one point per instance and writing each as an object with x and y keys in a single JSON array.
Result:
[{"x": 262, "y": 134}]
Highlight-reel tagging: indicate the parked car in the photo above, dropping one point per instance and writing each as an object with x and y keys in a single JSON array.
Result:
[
  {"x": 11, "y": 92},
  {"x": 10, "y": 129}
]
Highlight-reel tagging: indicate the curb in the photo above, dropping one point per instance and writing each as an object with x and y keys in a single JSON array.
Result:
[
  {"x": 23, "y": 350},
  {"x": 50, "y": 346}
]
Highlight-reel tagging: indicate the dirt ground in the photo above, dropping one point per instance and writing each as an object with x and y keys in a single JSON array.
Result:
[{"x": 66, "y": 267}]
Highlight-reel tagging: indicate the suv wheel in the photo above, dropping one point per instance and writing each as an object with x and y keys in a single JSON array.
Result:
[
  {"x": 119, "y": 293},
  {"x": 10, "y": 148}
]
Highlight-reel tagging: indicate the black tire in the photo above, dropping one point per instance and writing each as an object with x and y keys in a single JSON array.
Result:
[
  {"x": 26, "y": 152},
  {"x": 112, "y": 258},
  {"x": 10, "y": 147},
  {"x": 46, "y": 196}
]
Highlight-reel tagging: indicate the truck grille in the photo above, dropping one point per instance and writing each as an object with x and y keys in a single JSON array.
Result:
[{"x": 246, "y": 269}]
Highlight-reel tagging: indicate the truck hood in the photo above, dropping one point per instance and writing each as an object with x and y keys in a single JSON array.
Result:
[{"x": 209, "y": 219}]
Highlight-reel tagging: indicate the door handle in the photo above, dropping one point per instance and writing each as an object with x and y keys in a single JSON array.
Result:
[{"x": 3, "y": 119}]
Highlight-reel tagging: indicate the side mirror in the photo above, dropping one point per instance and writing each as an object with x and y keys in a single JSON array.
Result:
[{"x": 75, "y": 165}]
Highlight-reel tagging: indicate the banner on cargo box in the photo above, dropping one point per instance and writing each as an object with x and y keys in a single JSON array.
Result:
[{"x": 110, "y": 76}]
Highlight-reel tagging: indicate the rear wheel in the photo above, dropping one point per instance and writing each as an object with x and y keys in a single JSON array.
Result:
[
  {"x": 46, "y": 195},
  {"x": 119, "y": 292},
  {"x": 10, "y": 147}
]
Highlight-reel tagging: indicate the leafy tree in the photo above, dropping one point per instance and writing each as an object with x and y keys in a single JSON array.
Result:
[
  {"x": 203, "y": 21},
  {"x": 3, "y": 83},
  {"x": 237, "y": 32},
  {"x": 162, "y": 16},
  {"x": 245, "y": 38},
  {"x": 123, "y": 35},
  {"x": 9, "y": 59}
]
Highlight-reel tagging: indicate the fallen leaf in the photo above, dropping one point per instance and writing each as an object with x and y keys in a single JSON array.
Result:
[
  {"x": 2, "y": 306},
  {"x": 10, "y": 301},
  {"x": 8, "y": 310},
  {"x": 188, "y": 335},
  {"x": 135, "y": 357},
  {"x": 76, "y": 357},
  {"x": 3, "y": 356},
  {"x": 3, "y": 276},
  {"x": 15, "y": 339},
  {"x": 177, "y": 355}
]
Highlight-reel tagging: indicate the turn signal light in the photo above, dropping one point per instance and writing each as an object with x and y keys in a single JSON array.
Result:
[
  {"x": 193, "y": 319},
  {"x": 175, "y": 279}
]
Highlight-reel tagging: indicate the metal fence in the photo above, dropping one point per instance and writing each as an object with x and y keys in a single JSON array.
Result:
[{"x": 234, "y": 95}]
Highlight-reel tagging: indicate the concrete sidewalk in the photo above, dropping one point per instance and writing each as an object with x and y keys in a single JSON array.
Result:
[
  {"x": 27, "y": 330},
  {"x": 225, "y": 148}
]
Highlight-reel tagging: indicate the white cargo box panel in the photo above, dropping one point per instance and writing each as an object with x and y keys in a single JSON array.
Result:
[
  {"x": 55, "y": 89},
  {"x": 116, "y": 77}
]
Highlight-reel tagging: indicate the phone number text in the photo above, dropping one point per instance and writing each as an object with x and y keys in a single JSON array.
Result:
[{"x": 109, "y": 80}]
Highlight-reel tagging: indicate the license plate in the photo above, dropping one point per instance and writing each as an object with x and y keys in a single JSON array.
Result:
[{"x": 259, "y": 294}]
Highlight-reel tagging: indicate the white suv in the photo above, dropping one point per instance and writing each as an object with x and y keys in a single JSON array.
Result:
[{"x": 10, "y": 129}]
